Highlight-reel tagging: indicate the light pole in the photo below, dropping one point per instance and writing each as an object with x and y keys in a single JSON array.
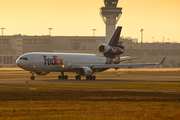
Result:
[
  {"x": 141, "y": 39},
  {"x": 94, "y": 32},
  {"x": 153, "y": 39},
  {"x": 2, "y": 39},
  {"x": 94, "y": 38},
  {"x": 2, "y": 46},
  {"x": 50, "y": 31},
  {"x": 50, "y": 38},
  {"x": 163, "y": 39}
]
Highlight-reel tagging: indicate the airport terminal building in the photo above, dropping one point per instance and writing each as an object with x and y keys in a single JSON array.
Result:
[{"x": 11, "y": 47}]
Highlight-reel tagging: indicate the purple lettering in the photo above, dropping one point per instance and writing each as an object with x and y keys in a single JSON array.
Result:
[
  {"x": 53, "y": 61},
  {"x": 44, "y": 59},
  {"x": 49, "y": 61}
]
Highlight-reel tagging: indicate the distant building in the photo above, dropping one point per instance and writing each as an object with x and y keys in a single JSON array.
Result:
[{"x": 13, "y": 46}]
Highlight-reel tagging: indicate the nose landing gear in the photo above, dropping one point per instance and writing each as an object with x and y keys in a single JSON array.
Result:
[
  {"x": 62, "y": 76},
  {"x": 32, "y": 77}
]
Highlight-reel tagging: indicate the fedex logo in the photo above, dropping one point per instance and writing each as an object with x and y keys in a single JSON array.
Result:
[
  {"x": 52, "y": 61},
  {"x": 117, "y": 51}
]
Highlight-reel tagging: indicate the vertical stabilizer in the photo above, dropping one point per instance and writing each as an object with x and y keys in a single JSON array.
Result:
[{"x": 115, "y": 38}]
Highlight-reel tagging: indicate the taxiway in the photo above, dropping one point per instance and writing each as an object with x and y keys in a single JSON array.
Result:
[{"x": 142, "y": 78}]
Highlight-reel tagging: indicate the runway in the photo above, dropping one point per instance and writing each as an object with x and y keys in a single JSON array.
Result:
[
  {"x": 140, "y": 78},
  {"x": 51, "y": 78}
]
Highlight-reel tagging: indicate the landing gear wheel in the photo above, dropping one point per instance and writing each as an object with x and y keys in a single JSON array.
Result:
[
  {"x": 65, "y": 77},
  {"x": 32, "y": 78},
  {"x": 62, "y": 76},
  {"x": 59, "y": 77},
  {"x": 93, "y": 77},
  {"x": 78, "y": 77},
  {"x": 90, "y": 77}
]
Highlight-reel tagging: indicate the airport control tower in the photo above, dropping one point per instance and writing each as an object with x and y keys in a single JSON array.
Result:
[{"x": 110, "y": 15}]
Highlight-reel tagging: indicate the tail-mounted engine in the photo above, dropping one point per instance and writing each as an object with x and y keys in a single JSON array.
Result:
[
  {"x": 85, "y": 71},
  {"x": 111, "y": 50}
]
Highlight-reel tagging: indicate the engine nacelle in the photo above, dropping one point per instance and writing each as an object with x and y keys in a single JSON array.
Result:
[
  {"x": 104, "y": 48},
  {"x": 85, "y": 71},
  {"x": 111, "y": 50},
  {"x": 42, "y": 73}
]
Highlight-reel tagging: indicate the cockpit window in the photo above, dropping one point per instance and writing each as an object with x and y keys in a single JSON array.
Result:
[{"x": 24, "y": 58}]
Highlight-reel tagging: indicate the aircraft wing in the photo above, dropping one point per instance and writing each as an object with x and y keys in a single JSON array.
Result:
[
  {"x": 127, "y": 65},
  {"x": 121, "y": 66},
  {"x": 116, "y": 66}
]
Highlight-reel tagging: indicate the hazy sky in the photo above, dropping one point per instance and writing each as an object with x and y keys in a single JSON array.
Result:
[{"x": 158, "y": 18}]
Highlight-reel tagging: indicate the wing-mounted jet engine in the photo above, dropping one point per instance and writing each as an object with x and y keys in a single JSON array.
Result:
[{"x": 85, "y": 71}]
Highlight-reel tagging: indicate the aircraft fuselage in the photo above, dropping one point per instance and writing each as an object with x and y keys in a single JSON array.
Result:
[{"x": 58, "y": 62}]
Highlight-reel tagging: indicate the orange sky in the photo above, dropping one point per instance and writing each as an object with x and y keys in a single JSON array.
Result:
[{"x": 158, "y": 18}]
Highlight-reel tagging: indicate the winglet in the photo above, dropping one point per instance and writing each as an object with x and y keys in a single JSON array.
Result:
[{"x": 162, "y": 61}]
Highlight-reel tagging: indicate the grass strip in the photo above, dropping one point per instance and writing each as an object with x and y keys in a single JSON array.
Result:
[
  {"x": 105, "y": 85},
  {"x": 24, "y": 103}
]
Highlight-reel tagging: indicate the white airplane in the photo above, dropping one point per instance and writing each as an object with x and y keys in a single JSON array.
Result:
[{"x": 83, "y": 64}]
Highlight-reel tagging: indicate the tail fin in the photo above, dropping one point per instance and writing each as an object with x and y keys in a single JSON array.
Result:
[
  {"x": 115, "y": 49},
  {"x": 115, "y": 38}
]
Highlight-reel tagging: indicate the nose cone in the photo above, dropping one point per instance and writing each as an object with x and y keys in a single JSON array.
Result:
[{"x": 18, "y": 63}]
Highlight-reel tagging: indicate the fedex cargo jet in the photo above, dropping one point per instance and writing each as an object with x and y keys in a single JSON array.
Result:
[{"x": 83, "y": 64}]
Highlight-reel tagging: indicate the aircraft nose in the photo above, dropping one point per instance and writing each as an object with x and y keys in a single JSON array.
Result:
[{"x": 18, "y": 63}]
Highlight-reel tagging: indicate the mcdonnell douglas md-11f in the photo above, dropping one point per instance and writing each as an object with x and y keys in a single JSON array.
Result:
[{"x": 83, "y": 64}]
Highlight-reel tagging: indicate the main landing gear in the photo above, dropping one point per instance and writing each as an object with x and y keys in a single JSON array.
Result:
[
  {"x": 62, "y": 76},
  {"x": 78, "y": 77},
  {"x": 32, "y": 77},
  {"x": 91, "y": 77}
]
